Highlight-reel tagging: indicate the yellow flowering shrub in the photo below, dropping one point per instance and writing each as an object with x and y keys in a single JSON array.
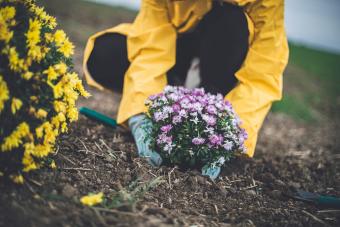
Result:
[{"x": 38, "y": 88}]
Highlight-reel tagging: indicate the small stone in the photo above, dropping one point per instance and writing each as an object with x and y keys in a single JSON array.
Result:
[
  {"x": 69, "y": 191},
  {"x": 201, "y": 180},
  {"x": 251, "y": 192},
  {"x": 295, "y": 185}
]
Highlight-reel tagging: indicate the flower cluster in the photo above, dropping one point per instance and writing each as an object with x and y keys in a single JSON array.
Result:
[
  {"x": 38, "y": 88},
  {"x": 92, "y": 199},
  {"x": 192, "y": 128}
]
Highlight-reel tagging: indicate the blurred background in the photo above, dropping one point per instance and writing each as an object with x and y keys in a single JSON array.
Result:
[{"x": 311, "y": 80}]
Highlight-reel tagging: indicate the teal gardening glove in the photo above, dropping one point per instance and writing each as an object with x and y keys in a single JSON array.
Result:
[{"x": 139, "y": 125}]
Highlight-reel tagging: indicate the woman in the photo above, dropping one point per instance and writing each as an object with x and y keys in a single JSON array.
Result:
[{"x": 241, "y": 45}]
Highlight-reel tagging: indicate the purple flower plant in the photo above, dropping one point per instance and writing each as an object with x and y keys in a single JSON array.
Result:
[{"x": 192, "y": 128}]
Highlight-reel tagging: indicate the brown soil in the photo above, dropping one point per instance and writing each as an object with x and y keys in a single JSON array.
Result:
[
  {"x": 249, "y": 192},
  {"x": 253, "y": 192}
]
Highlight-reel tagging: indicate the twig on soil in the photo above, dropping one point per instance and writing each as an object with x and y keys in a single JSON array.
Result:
[
  {"x": 98, "y": 146},
  {"x": 90, "y": 152},
  {"x": 152, "y": 173},
  {"x": 169, "y": 175},
  {"x": 249, "y": 187},
  {"x": 238, "y": 180},
  {"x": 57, "y": 150},
  {"x": 67, "y": 159},
  {"x": 216, "y": 209},
  {"x": 315, "y": 218},
  {"x": 86, "y": 149},
  {"x": 30, "y": 188},
  {"x": 109, "y": 149},
  {"x": 50, "y": 204},
  {"x": 36, "y": 182},
  {"x": 70, "y": 168}
]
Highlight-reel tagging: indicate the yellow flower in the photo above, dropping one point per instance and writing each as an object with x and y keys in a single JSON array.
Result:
[
  {"x": 11, "y": 142},
  {"x": 61, "y": 68},
  {"x": 28, "y": 160},
  {"x": 23, "y": 129},
  {"x": 33, "y": 33},
  {"x": 5, "y": 34},
  {"x": 59, "y": 106},
  {"x": 4, "y": 93},
  {"x": 64, "y": 127},
  {"x": 51, "y": 73},
  {"x": 50, "y": 137},
  {"x": 16, "y": 105},
  {"x": 53, "y": 165},
  {"x": 61, "y": 117},
  {"x": 59, "y": 37},
  {"x": 67, "y": 48},
  {"x": 41, "y": 151},
  {"x": 36, "y": 53},
  {"x": 49, "y": 37},
  {"x": 34, "y": 98},
  {"x": 14, "y": 139},
  {"x": 82, "y": 91},
  {"x": 58, "y": 90},
  {"x": 39, "y": 132},
  {"x": 72, "y": 114},
  {"x": 27, "y": 75},
  {"x": 18, "y": 179},
  {"x": 91, "y": 200},
  {"x": 7, "y": 12},
  {"x": 15, "y": 63},
  {"x": 41, "y": 113}
]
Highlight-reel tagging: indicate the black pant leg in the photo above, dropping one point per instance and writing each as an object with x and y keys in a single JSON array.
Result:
[
  {"x": 223, "y": 45},
  {"x": 108, "y": 61},
  {"x": 186, "y": 50}
]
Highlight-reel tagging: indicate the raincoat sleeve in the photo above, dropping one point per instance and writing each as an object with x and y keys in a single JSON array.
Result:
[
  {"x": 260, "y": 77},
  {"x": 151, "y": 44}
]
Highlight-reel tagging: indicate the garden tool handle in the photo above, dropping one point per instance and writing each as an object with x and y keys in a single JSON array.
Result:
[
  {"x": 92, "y": 114},
  {"x": 329, "y": 201}
]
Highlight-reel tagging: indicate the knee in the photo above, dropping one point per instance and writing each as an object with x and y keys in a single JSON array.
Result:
[{"x": 108, "y": 61}]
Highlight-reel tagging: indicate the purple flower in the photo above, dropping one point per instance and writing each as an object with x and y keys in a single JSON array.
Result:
[
  {"x": 176, "y": 108},
  {"x": 216, "y": 139},
  {"x": 183, "y": 113},
  {"x": 176, "y": 119},
  {"x": 198, "y": 92},
  {"x": 166, "y": 128},
  {"x": 228, "y": 145},
  {"x": 198, "y": 141},
  {"x": 159, "y": 116},
  {"x": 163, "y": 138},
  {"x": 197, "y": 107},
  {"x": 153, "y": 97},
  {"x": 211, "y": 109},
  {"x": 210, "y": 120}
]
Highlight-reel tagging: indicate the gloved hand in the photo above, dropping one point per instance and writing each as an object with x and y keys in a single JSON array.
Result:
[
  {"x": 212, "y": 171},
  {"x": 138, "y": 124}
]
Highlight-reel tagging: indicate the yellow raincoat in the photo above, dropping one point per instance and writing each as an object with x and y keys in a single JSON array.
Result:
[{"x": 151, "y": 43}]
